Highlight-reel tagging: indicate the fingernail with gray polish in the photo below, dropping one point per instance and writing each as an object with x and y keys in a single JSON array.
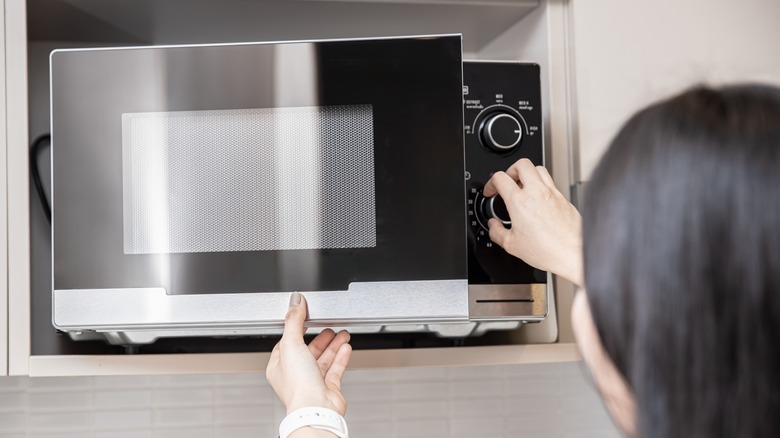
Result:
[{"x": 295, "y": 298}]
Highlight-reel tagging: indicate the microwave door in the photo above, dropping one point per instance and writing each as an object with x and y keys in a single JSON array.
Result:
[{"x": 196, "y": 187}]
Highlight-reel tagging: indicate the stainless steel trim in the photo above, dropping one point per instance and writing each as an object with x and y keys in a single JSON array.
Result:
[
  {"x": 445, "y": 330},
  {"x": 501, "y": 302},
  {"x": 143, "y": 337},
  {"x": 251, "y": 43},
  {"x": 369, "y": 303}
]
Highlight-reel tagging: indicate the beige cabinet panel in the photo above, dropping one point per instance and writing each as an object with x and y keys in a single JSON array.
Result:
[
  {"x": 628, "y": 54},
  {"x": 16, "y": 187},
  {"x": 3, "y": 210}
]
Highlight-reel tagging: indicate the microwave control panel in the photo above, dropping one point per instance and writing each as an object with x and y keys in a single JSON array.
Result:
[{"x": 502, "y": 124}]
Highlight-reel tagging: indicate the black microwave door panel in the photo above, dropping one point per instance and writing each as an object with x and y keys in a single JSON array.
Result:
[{"x": 258, "y": 167}]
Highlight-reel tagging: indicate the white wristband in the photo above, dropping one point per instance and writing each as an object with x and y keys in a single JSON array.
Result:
[{"x": 316, "y": 418}]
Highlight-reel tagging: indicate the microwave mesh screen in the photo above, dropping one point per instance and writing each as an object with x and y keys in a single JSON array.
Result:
[{"x": 249, "y": 180}]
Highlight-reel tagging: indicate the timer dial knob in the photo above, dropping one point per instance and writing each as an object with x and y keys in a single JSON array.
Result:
[
  {"x": 501, "y": 132},
  {"x": 494, "y": 207}
]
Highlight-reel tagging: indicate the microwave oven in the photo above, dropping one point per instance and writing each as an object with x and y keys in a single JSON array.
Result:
[{"x": 195, "y": 187}]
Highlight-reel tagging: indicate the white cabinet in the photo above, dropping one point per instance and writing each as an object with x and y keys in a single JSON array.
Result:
[{"x": 527, "y": 30}]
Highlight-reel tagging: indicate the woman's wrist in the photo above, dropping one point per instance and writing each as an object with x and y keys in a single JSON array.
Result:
[
  {"x": 572, "y": 255},
  {"x": 575, "y": 271},
  {"x": 567, "y": 262},
  {"x": 575, "y": 276},
  {"x": 311, "y": 402},
  {"x": 313, "y": 422}
]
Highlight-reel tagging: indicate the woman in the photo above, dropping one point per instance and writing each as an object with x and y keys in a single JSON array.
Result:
[{"x": 680, "y": 323}]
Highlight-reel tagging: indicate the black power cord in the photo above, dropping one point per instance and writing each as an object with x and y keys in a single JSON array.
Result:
[{"x": 35, "y": 150}]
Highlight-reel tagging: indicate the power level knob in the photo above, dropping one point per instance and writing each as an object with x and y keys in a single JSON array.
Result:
[{"x": 501, "y": 132}]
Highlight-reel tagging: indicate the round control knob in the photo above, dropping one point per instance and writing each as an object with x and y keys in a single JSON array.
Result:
[
  {"x": 501, "y": 132},
  {"x": 494, "y": 207}
]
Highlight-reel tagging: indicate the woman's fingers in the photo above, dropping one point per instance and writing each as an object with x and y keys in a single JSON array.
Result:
[
  {"x": 523, "y": 174},
  {"x": 336, "y": 370},
  {"x": 296, "y": 316},
  {"x": 502, "y": 184},
  {"x": 498, "y": 233},
  {"x": 321, "y": 342},
  {"x": 545, "y": 176},
  {"x": 328, "y": 356}
]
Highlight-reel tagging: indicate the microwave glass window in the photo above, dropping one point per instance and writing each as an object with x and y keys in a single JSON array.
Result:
[
  {"x": 261, "y": 167},
  {"x": 267, "y": 179}
]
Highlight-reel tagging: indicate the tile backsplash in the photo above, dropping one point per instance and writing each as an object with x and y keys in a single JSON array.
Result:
[{"x": 545, "y": 400}]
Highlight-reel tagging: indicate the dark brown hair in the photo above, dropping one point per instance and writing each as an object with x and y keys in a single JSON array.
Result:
[{"x": 682, "y": 262}]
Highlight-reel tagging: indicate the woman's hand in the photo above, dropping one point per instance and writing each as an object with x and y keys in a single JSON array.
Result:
[
  {"x": 546, "y": 229},
  {"x": 308, "y": 376}
]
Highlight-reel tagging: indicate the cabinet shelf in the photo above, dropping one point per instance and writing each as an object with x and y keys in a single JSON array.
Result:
[{"x": 41, "y": 366}]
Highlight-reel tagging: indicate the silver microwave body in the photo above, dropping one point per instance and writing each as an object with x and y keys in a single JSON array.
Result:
[{"x": 196, "y": 187}]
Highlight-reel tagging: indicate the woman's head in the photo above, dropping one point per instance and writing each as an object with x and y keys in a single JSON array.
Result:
[{"x": 682, "y": 262}]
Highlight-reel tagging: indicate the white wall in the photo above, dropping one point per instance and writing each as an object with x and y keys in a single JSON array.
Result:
[
  {"x": 548, "y": 400},
  {"x": 631, "y": 53}
]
